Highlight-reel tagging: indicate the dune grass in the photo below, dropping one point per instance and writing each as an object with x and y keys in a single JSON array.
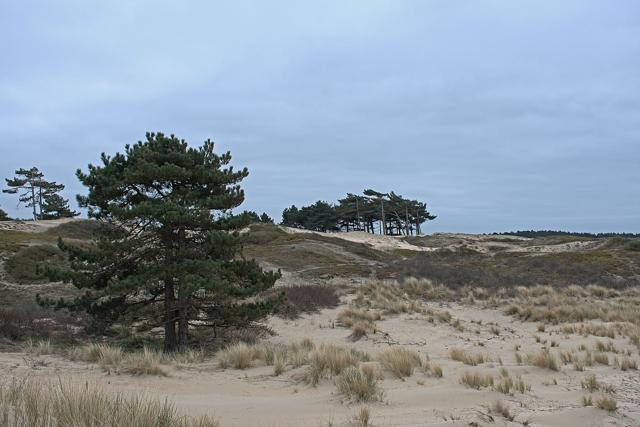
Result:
[
  {"x": 36, "y": 403},
  {"x": 358, "y": 384},
  {"x": 400, "y": 361}
]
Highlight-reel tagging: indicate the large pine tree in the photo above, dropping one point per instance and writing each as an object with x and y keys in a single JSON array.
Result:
[{"x": 169, "y": 244}]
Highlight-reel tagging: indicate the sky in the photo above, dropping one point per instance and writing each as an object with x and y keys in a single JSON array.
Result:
[{"x": 500, "y": 115}]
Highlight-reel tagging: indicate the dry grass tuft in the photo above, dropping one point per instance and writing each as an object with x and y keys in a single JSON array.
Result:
[
  {"x": 435, "y": 370},
  {"x": 590, "y": 383},
  {"x": 110, "y": 358},
  {"x": 476, "y": 380},
  {"x": 465, "y": 357},
  {"x": 399, "y": 361},
  {"x": 352, "y": 316},
  {"x": 362, "y": 418},
  {"x": 34, "y": 403},
  {"x": 38, "y": 348},
  {"x": 543, "y": 359},
  {"x": 237, "y": 356},
  {"x": 330, "y": 360},
  {"x": 358, "y": 384},
  {"x": 607, "y": 403},
  {"x": 500, "y": 408},
  {"x": 145, "y": 363},
  {"x": 601, "y": 358},
  {"x": 626, "y": 364}
]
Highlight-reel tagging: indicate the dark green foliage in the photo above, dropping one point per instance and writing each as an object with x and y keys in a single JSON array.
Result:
[
  {"x": 392, "y": 213},
  {"x": 30, "y": 182},
  {"x": 4, "y": 216},
  {"x": 633, "y": 246},
  {"x": 39, "y": 194},
  {"x": 301, "y": 299},
  {"x": 80, "y": 229},
  {"x": 27, "y": 320},
  {"x": 28, "y": 264},
  {"x": 266, "y": 219},
  {"x": 55, "y": 206},
  {"x": 167, "y": 250},
  {"x": 465, "y": 267},
  {"x": 254, "y": 218}
]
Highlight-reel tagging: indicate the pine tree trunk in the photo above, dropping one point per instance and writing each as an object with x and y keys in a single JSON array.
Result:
[
  {"x": 170, "y": 339},
  {"x": 33, "y": 202},
  {"x": 183, "y": 320}
]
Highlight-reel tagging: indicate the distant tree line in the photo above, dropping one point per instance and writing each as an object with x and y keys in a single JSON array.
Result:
[
  {"x": 546, "y": 233},
  {"x": 253, "y": 217},
  {"x": 371, "y": 212},
  {"x": 35, "y": 192}
]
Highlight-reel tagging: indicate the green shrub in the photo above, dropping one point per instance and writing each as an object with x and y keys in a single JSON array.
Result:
[{"x": 26, "y": 266}]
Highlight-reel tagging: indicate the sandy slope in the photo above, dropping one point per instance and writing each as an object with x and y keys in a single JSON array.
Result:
[{"x": 256, "y": 398}]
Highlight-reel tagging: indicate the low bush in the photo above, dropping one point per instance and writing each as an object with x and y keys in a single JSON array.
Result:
[
  {"x": 27, "y": 265},
  {"x": 301, "y": 299}
]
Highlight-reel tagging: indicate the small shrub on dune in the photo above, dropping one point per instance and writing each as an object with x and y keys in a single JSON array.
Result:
[
  {"x": 357, "y": 384},
  {"x": 237, "y": 356},
  {"x": 607, "y": 403},
  {"x": 399, "y": 361},
  {"x": 351, "y": 316},
  {"x": 300, "y": 299},
  {"x": 359, "y": 331}
]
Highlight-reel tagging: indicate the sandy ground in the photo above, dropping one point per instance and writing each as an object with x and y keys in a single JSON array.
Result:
[
  {"x": 254, "y": 397},
  {"x": 480, "y": 243},
  {"x": 33, "y": 226}
]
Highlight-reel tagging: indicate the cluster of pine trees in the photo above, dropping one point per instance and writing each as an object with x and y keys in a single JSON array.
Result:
[
  {"x": 42, "y": 196},
  {"x": 384, "y": 213}
]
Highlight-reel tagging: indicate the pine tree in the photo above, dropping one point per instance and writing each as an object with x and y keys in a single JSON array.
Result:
[
  {"x": 266, "y": 219},
  {"x": 55, "y": 206},
  {"x": 30, "y": 182},
  {"x": 168, "y": 244},
  {"x": 3, "y": 215}
]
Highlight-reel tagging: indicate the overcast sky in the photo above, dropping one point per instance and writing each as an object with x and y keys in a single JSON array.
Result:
[{"x": 500, "y": 115}]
